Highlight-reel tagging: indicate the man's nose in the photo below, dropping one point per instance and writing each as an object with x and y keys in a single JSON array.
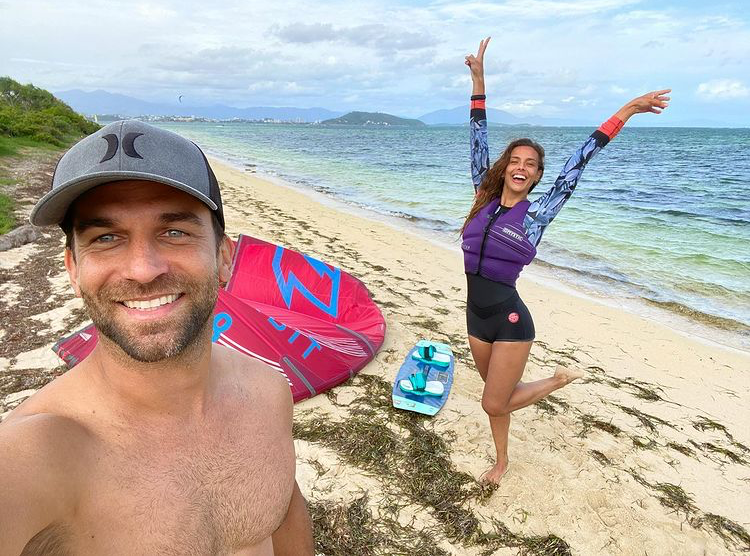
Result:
[{"x": 144, "y": 261}]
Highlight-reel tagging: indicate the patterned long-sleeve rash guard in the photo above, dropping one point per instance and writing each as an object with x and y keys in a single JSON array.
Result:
[{"x": 544, "y": 209}]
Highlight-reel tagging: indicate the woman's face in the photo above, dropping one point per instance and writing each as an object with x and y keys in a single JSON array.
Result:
[{"x": 523, "y": 170}]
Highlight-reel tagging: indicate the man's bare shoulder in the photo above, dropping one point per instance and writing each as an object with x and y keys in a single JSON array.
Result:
[
  {"x": 42, "y": 441},
  {"x": 43, "y": 457},
  {"x": 45, "y": 434}
]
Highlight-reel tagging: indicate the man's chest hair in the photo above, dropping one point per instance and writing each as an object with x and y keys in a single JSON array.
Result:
[
  {"x": 222, "y": 498},
  {"x": 206, "y": 497}
]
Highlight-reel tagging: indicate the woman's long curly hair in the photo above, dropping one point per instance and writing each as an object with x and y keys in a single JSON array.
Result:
[{"x": 494, "y": 180}]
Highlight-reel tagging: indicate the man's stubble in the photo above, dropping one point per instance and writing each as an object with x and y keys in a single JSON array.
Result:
[{"x": 169, "y": 337}]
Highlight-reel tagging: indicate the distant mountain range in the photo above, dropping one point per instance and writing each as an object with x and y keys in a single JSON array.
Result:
[
  {"x": 372, "y": 119},
  {"x": 102, "y": 102},
  {"x": 460, "y": 116}
]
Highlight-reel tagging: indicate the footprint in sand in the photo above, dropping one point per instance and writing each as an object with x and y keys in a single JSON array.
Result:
[{"x": 598, "y": 501}]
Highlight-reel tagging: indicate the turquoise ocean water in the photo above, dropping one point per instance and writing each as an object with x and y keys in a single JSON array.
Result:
[{"x": 661, "y": 214}]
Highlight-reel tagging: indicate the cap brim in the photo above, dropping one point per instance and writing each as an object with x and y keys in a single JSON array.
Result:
[{"x": 51, "y": 208}]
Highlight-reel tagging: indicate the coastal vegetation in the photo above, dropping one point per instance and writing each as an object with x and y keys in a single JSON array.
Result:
[{"x": 32, "y": 119}]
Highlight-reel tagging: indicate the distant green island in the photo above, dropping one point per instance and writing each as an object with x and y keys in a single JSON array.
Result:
[
  {"x": 31, "y": 117},
  {"x": 373, "y": 119}
]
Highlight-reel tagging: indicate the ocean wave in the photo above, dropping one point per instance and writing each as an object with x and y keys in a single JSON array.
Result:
[{"x": 724, "y": 323}]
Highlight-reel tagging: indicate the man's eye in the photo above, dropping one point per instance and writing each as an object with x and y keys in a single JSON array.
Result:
[
  {"x": 106, "y": 238},
  {"x": 175, "y": 233}
]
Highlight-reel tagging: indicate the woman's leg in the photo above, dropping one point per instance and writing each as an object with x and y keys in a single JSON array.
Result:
[
  {"x": 500, "y": 424},
  {"x": 504, "y": 393}
]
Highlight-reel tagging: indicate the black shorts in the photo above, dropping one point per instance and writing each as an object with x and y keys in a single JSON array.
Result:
[{"x": 506, "y": 321}]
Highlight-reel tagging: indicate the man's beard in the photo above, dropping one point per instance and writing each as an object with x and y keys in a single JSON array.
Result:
[{"x": 150, "y": 342}]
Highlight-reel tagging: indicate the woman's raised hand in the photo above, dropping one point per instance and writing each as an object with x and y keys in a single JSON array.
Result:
[
  {"x": 476, "y": 63},
  {"x": 653, "y": 102}
]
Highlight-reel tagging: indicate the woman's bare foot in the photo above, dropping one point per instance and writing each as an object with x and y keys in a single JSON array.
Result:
[
  {"x": 494, "y": 473},
  {"x": 566, "y": 375}
]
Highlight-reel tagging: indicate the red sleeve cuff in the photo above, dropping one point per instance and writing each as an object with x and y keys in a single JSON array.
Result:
[
  {"x": 611, "y": 127},
  {"x": 478, "y": 104}
]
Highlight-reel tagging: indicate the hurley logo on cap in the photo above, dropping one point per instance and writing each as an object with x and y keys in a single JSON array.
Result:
[{"x": 128, "y": 146}]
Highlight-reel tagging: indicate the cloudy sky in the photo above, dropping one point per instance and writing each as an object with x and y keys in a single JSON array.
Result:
[{"x": 567, "y": 58}]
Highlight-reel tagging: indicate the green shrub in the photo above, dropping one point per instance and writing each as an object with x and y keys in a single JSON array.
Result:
[
  {"x": 7, "y": 220},
  {"x": 30, "y": 112}
]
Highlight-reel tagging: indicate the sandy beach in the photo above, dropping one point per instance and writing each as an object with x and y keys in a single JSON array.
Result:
[{"x": 648, "y": 454}]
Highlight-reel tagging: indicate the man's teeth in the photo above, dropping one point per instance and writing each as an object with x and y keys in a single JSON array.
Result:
[{"x": 151, "y": 303}]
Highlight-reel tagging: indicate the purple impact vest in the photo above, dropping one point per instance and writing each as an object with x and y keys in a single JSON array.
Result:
[{"x": 496, "y": 247}]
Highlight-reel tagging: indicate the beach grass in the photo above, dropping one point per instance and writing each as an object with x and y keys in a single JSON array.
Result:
[
  {"x": 13, "y": 146},
  {"x": 7, "y": 219}
]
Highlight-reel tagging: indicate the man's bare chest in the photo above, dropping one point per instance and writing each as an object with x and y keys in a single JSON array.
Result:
[{"x": 214, "y": 494}]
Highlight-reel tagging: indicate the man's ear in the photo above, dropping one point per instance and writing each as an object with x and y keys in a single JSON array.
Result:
[
  {"x": 226, "y": 255},
  {"x": 70, "y": 265}
]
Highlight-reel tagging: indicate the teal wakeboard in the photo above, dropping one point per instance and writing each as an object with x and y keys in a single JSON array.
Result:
[{"x": 424, "y": 380}]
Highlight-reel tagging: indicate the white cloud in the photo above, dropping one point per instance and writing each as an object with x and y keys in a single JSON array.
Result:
[
  {"x": 617, "y": 90},
  {"x": 532, "y": 9},
  {"x": 567, "y": 99},
  {"x": 521, "y": 106},
  {"x": 153, "y": 11},
  {"x": 722, "y": 89},
  {"x": 375, "y": 35}
]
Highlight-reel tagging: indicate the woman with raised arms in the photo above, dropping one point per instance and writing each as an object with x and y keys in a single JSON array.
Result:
[{"x": 500, "y": 236}]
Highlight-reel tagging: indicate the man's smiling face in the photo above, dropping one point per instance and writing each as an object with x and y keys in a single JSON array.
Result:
[{"x": 147, "y": 266}]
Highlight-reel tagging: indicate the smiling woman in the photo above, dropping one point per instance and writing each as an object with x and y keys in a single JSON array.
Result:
[{"x": 500, "y": 237}]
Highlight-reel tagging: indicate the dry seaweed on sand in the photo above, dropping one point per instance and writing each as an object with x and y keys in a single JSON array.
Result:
[
  {"x": 703, "y": 423},
  {"x": 684, "y": 450},
  {"x": 675, "y": 498},
  {"x": 551, "y": 405},
  {"x": 349, "y": 529},
  {"x": 567, "y": 355},
  {"x": 364, "y": 443},
  {"x": 641, "y": 390},
  {"x": 545, "y": 407},
  {"x": 557, "y": 401},
  {"x": 727, "y": 453},
  {"x": 591, "y": 422},
  {"x": 501, "y": 536},
  {"x": 648, "y": 421},
  {"x": 671, "y": 496},
  {"x": 712, "y": 449},
  {"x": 733, "y": 534},
  {"x": 600, "y": 457}
]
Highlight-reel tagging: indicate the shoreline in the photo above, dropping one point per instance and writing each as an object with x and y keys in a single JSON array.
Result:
[{"x": 692, "y": 323}]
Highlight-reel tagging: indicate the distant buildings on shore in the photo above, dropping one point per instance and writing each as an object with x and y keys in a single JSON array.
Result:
[{"x": 152, "y": 118}]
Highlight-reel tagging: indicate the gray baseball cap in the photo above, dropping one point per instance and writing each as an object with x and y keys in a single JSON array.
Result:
[{"x": 128, "y": 150}]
